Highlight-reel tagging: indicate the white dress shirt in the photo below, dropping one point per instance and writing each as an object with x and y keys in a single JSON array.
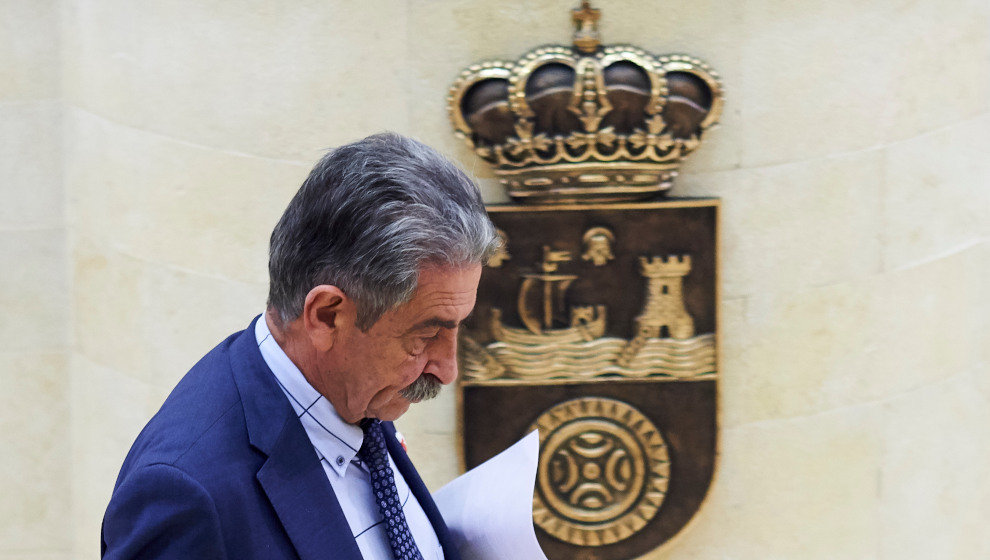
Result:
[{"x": 336, "y": 443}]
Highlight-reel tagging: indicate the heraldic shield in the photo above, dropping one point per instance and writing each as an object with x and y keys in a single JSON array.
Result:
[
  {"x": 596, "y": 324},
  {"x": 597, "y": 321}
]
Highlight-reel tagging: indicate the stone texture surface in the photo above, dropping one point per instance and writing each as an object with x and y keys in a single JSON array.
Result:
[
  {"x": 930, "y": 206},
  {"x": 157, "y": 199},
  {"x": 933, "y": 481},
  {"x": 30, "y": 152},
  {"x": 847, "y": 75},
  {"x": 799, "y": 225},
  {"x": 29, "y": 50},
  {"x": 107, "y": 288},
  {"x": 146, "y": 149},
  {"x": 33, "y": 290},
  {"x": 35, "y": 417},
  {"x": 34, "y": 467},
  {"x": 183, "y": 314},
  {"x": 187, "y": 315},
  {"x": 270, "y": 79},
  {"x": 804, "y": 487},
  {"x": 853, "y": 342}
]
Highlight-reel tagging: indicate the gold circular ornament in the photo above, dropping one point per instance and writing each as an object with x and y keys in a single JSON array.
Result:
[{"x": 603, "y": 471}]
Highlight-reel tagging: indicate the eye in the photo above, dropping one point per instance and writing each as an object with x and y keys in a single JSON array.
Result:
[
  {"x": 430, "y": 335},
  {"x": 421, "y": 341}
]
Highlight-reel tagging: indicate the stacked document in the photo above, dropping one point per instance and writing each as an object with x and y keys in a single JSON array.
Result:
[{"x": 489, "y": 509}]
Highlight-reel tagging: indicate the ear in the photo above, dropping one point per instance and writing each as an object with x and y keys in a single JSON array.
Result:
[{"x": 326, "y": 311}]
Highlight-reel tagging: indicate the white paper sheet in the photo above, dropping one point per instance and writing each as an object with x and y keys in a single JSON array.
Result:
[{"x": 489, "y": 509}]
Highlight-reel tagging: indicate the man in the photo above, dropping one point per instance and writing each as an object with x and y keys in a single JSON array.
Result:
[{"x": 274, "y": 445}]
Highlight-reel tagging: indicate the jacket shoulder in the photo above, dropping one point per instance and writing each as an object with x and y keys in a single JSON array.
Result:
[{"x": 202, "y": 410}]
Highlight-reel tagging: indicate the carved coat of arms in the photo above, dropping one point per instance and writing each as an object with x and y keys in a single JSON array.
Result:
[{"x": 597, "y": 322}]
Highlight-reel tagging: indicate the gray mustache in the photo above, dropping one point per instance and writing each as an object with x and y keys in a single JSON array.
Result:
[{"x": 426, "y": 387}]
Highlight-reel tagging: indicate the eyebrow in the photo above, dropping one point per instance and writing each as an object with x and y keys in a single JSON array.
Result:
[{"x": 436, "y": 322}]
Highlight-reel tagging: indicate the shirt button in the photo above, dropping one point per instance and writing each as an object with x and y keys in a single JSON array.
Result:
[{"x": 340, "y": 460}]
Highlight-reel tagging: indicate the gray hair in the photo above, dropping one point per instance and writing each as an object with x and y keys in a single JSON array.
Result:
[{"x": 367, "y": 218}]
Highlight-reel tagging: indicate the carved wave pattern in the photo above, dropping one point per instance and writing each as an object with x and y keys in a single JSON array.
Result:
[{"x": 692, "y": 358}]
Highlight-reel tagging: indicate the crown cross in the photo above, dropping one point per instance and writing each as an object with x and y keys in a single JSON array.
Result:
[{"x": 585, "y": 21}]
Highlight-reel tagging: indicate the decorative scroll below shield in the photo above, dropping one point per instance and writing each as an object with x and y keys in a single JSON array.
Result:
[{"x": 597, "y": 326}]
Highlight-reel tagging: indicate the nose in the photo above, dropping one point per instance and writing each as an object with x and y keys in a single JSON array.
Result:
[{"x": 443, "y": 357}]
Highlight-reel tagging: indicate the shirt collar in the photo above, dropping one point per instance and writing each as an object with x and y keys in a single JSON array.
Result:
[{"x": 335, "y": 440}]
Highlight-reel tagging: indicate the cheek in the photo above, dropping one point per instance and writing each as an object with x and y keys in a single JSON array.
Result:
[
  {"x": 399, "y": 369},
  {"x": 411, "y": 368}
]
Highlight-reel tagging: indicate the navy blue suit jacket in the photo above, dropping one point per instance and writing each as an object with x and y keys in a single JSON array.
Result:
[{"x": 226, "y": 470}]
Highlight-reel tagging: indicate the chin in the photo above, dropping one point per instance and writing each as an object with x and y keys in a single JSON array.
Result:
[
  {"x": 398, "y": 407},
  {"x": 391, "y": 417}
]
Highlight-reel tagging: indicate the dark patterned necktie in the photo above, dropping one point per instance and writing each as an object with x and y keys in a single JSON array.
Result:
[{"x": 375, "y": 456}]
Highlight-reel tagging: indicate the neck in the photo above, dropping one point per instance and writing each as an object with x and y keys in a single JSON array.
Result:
[{"x": 291, "y": 338}]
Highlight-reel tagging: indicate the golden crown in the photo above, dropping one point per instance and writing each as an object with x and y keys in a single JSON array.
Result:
[{"x": 589, "y": 123}]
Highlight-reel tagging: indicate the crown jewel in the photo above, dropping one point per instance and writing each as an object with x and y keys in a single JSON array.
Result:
[{"x": 588, "y": 123}]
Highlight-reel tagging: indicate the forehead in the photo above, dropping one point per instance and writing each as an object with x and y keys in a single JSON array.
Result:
[{"x": 444, "y": 292}]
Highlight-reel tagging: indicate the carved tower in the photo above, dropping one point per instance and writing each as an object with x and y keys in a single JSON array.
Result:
[{"x": 664, "y": 303}]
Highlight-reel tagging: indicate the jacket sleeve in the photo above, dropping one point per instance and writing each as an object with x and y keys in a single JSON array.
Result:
[{"x": 160, "y": 512}]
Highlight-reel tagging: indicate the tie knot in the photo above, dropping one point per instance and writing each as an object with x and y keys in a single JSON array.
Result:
[
  {"x": 373, "y": 446},
  {"x": 369, "y": 424}
]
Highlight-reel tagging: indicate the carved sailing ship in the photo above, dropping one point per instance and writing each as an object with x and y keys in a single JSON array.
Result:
[{"x": 586, "y": 323}]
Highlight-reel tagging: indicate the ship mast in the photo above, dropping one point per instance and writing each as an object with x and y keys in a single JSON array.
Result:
[{"x": 553, "y": 284}]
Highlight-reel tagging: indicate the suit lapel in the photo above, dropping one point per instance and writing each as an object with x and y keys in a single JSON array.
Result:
[
  {"x": 302, "y": 497},
  {"x": 292, "y": 476},
  {"x": 419, "y": 490}
]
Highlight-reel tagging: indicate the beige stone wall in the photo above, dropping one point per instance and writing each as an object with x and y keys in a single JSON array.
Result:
[
  {"x": 147, "y": 148},
  {"x": 34, "y": 289}
]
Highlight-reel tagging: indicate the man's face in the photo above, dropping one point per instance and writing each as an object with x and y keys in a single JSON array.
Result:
[{"x": 417, "y": 339}]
